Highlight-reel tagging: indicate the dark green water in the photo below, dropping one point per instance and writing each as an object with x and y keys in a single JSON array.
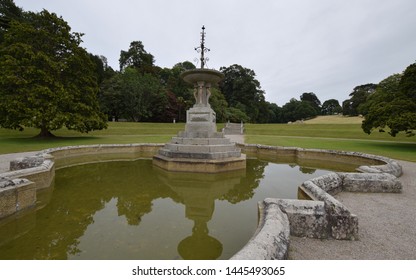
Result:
[{"x": 132, "y": 210}]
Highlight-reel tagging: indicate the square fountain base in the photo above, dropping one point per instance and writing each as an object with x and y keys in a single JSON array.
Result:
[{"x": 200, "y": 165}]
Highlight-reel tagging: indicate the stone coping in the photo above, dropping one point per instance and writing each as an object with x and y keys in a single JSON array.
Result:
[
  {"x": 322, "y": 216},
  {"x": 376, "y": 164}
]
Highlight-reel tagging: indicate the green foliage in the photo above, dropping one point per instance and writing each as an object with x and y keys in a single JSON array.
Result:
[
  {"x": 137, "y": 57},
  {"x": 331, "y": 107},
  {"x": 351, "y": 107},
  {"x": 142, "y": 96},
  {"x": 242, "y": 91},
  {"x": 236, "y": 115},
  {"x": 297, "y": 110},
  {"x": 133, "y": 96},
  {"x": 408, "y": 82},
  {"x": 8, "y": 12},
  {"x": 313, "y": 101},
  {"x": 47, "y": 81},
  {"x": 393, "y": 106},
  {"x": 219, "y": 105}
]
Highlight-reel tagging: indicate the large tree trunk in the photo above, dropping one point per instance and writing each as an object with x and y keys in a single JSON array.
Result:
[{"x": 45, "y": 133}]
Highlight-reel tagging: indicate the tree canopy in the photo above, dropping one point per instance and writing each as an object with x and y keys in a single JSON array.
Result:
[
  {"x": 136, "y": 56},
  {"x": 8, "y": 12},
  {"x": 47, "y": 80},
  {"x": 351, "y": 107},
  {"x": 242, "y": 91},
  {"x": 331, "y": 107},
  {"x": 393, "y": 104}
]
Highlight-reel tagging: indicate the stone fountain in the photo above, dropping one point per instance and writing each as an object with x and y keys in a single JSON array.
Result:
[{"x": 200, "y": 148}]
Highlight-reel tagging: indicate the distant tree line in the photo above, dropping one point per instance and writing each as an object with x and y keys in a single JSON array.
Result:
[
  {"x": 142, "y": 91},
  {"x": 48, "y": 81}
]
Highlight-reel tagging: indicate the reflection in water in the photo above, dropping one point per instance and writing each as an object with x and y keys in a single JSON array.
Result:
[
  {"x": 132, "y": 210},
  {"x": 199, "y": 193}
]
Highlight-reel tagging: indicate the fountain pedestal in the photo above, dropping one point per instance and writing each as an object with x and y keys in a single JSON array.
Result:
[{"x": 200, "y": 148}]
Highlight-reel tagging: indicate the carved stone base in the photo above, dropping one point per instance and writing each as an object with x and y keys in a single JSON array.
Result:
[{"x": 200, "y": 165}]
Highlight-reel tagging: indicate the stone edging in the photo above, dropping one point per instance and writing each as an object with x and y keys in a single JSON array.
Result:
[{"x": 321, "y": 217}]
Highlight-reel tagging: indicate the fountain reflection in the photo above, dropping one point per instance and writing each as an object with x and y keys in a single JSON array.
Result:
[{"x": 199, "y": 193}]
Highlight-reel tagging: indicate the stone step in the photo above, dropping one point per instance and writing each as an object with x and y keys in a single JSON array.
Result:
[
  {"x": 200, "y": 141},
  {"x": 200, "y": 148},
  {"x": 199, "y": 155},
  {"x": 233, "y": 129},
  {"x": 200, "y": 134}
]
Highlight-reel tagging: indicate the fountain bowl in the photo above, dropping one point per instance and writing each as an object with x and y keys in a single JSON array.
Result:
[{"x": 207, "y": 75}]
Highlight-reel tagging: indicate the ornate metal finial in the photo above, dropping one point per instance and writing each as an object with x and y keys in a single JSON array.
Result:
[{"x": 202, "y": 49}]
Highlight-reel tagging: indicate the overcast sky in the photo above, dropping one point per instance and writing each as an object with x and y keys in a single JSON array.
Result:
[{"x": 323, "y": 46}]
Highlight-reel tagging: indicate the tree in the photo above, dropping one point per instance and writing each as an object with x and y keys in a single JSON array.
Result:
[
  {"x": 137, "y": 57},
  {"x": 47, "y": 80},
  {"x": 305, "y": 110},
  {"x": 142, "y": 97},
  {"x": 288, "y": 110},
  {"x": 297, "y": 110},
  {"x": 8, "y": 12},
  {"x": 408, "y": 82},
  {"x": 242, "y": 91},
  {"x": 236, "y": 115},
  {"x": 219, "y": 105},
  {"x": 351, "y": 107},
  {"x": 275, "y": 113},
  {"x": 313, "y": 101},
  {"x": 393, "y": 105},
  {"x": 110, "y": 97},
  {"x": 179, "y": 88},
  {"x": 331, "y": 107}
]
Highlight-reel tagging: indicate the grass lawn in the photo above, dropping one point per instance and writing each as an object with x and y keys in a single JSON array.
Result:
[
  {"x": 12, "y": 141},
  {"x": 333, "y": 133},
  {"x": 336, "y": 133}
]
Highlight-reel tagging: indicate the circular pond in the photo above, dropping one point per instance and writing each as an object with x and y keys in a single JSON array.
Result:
[{"x": 133, "y": 210}]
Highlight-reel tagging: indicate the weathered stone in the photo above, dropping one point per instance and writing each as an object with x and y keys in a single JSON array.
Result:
[
  {"x": 198, "y": 165},
  {"x": 233, "y": 129},
  {"x": 370, "y": 182},
  {"x": 4, "y": 183},
  {"x": 307, "y": 218},
  {"x": 342, "y": 224},
  {"x": 271, "y": 240},
  {"x": 26, "y": 162},
  {"x": 19, "y": 195},
  {"x": 331, "y": 183}
]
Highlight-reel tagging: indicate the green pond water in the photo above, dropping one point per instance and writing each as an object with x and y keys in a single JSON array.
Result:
[{"x": 133, "y": 210}]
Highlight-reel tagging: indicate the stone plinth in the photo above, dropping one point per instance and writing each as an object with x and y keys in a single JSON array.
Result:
[{"x": 200, "y": 165}]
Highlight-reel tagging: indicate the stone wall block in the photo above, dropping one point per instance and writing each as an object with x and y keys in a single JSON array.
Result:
[
  {"x": 26, "y": 162},
  {"x": 18, "y": 196},
  {"x": 307, "y": 218},
  {"x": 370, "y": 182},
  {"x": 331, "y": 183},
  {"x": 271, "y": 240},
  {"x": 342, "y": 224}
]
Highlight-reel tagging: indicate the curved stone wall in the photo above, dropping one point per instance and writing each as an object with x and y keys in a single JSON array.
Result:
[{"x": 322, "y": 216}]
